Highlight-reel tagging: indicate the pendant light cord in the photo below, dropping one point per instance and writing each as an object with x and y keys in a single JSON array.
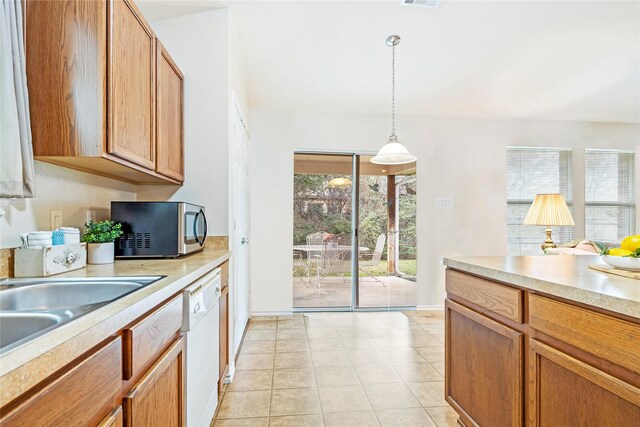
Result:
[{"x": 393, "y": 90}]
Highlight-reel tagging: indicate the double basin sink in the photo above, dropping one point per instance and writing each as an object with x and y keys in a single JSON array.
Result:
[{"x": 30, "y": 308}]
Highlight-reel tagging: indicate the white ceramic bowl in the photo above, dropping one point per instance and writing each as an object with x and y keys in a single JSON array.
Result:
[{"x": 622, "y": 262}]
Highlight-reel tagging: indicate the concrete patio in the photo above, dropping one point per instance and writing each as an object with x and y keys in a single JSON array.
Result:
[{"x": 334, "y": 292}]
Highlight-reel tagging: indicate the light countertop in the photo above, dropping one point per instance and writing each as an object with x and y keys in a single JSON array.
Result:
[
  {"x": 27, "y": 365},
  {"x": 563, "y": 276}
]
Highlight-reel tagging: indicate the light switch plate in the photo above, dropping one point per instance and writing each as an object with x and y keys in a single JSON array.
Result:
[
  {"x": 55, "y": 219},
  {"x": 444, "y": 202}
]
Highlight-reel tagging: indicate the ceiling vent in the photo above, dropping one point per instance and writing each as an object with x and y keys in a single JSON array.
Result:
[{"x": 427, "y": 3}]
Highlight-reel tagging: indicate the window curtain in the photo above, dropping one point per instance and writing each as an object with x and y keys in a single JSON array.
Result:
[{"x": 16, "y": 151}]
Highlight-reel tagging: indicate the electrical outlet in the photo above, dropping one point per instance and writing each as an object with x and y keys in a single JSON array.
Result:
[
  {"x": 91, "y": 216},
  {"x": 444, "y": 202},
  {"x": 55, "y": 219}
]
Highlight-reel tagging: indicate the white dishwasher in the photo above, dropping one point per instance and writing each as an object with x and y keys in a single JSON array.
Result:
[{"x": 200, "y": 327}]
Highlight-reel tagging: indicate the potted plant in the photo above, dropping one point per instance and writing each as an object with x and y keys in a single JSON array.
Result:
[{"x": 99, "y": 237}]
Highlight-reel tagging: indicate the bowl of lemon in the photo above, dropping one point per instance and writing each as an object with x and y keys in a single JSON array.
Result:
[{"x": 627, "y": 256}]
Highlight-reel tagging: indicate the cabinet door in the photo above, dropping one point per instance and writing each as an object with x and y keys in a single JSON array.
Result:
[
  {"x": 158, "y": 398},
  {"x": 114, "y": 419},
  {"x": 132, "y": 85},
  {"x": 563, "y": 391},
  {"x": 80, "y": 396},
  {"x": 483, "y": 368},
  {"x": 170, "y": 116},
  {"x": 224, "y": 335}
]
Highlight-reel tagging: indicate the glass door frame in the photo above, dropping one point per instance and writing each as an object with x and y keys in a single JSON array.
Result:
[{"x": 355, "y": 243}]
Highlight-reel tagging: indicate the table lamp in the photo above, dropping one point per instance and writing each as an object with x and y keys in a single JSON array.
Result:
[{"x": 548, "y": 210}]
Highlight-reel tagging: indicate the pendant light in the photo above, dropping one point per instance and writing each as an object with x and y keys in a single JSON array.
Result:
[{"x": 393, "y": 153}]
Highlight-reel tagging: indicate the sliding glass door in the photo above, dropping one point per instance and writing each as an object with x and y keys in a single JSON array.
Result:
[{"x": 352, "y": 230}]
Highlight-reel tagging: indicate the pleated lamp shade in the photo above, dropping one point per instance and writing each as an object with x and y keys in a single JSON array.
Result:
[{"x": 549, "y": 209}]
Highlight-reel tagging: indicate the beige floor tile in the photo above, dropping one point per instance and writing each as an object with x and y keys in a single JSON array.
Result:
[
  {"x": 330, "y": 358},
  {"x": 366, "y": 357},
  {"x": 432, "y": 354},
  {"x": 377, "y": 374},
  {"x": 414, "y": 417},
  {"x": 247, "y": 362},
  {"x": 390, "y": 396},
  {"x": 351, "y": 419},
  {"x": 242, "y": 422},
  {"x": 258, "y": 347},
  {"x": 443, "y": 416},
  {"x": 291, "y": 346},
  {"x": 244, "y": 404},
  {"x": 291, "y": 316},
  {"x": 425, "y": 340},
  {"x": 429, "y": 393},
  {"x": 318, "y": 322},
  {"x": 325, "y": 344},
  {"x": 263, "y": 318},
  {"x": 343, "y": 399},
  {"x": 293, "y": 378},
  {"x": 352, "y": 332},
  {"x": 260, "y": 334},
  {"x": 314, "y": 420},
  {"x": 292, "y": 360},
  {"x": 251, "y": 380},
  {"x": 265, "y": 324},
  {"x": 428, "y": 320},
  {"x": 322, "y": 333},
  {"x": 434, "y": 329},
  {"x": 405, "y": 355},
  {"x": 327, "y": 376},
  {"x": 358, "y": 343},
  {"x": 291, "y": 324},
  {"x": 295, "y": 401},
  {"x": 350, "y": 321},
  {"x": 439, "y": 337},
  {"x": 439, "y": 366},
  {"x": 417, "y": 372},
  {"x": 291, "y": 334}
]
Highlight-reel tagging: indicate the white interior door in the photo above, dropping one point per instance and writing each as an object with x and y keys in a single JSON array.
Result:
[{"x": 241, "y": 228}]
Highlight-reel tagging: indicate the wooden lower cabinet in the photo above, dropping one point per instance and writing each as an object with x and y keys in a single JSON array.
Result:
[
  {"x": 114, "y": 419},
  {"x": 157, "y": 399},
  {"x": 563, "y": 391},
  {"x": 484, "y": 368},
  {"x": 79, "y": 396}
]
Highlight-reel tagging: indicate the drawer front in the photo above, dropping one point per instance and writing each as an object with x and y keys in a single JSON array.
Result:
[
  {"x": 80, "y": 396},
  {"x": 615, "y": 340},
  {"x": 491, "y": 296},
  {"x": 145, "y": 340}
]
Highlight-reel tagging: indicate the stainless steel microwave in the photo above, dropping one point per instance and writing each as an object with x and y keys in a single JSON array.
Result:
[{"x": 159, "y": 229}]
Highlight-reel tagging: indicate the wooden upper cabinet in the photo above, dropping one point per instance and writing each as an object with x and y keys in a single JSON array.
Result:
[
  {"x": 169, "y": 124},
  {"x": 132, "y": 77},
  {"x": 91, "y": 73}
]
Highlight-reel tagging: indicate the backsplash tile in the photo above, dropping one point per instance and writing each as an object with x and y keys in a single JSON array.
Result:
[
  {"x": 6, "y": 262},
  {"x": 217, "y": 243}
]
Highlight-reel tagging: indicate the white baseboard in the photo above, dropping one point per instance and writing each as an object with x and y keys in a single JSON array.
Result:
[
  {"x": 430, "y": 307},
  {"x": 271, "y": 313}
]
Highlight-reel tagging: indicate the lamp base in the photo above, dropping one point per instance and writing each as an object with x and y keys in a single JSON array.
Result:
[{"x": 548, "y": 243}]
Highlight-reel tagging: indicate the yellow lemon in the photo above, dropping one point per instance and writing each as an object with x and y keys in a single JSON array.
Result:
[
  {"x": 619, "y": 252},
  {"x": 631, "y": 243}
]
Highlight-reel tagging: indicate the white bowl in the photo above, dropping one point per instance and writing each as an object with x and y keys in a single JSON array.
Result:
[{"x": 622, "y": 262}]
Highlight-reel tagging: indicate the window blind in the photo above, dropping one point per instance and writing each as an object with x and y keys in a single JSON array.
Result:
[
  {"x": 531, "y": 171},
  {"x": 609, "y": 195}
]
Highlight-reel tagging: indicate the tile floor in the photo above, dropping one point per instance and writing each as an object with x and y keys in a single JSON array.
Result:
[{"x": 340, "y": 369}]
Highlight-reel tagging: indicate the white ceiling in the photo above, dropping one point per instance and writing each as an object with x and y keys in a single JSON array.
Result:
[{"x": 568, "y": 60}]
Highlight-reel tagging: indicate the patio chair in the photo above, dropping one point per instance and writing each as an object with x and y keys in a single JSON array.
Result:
[
  {"x": 369, "y": 260},
  {"x": 300, "y": 263},
  {"x": 332, "y": 260}
]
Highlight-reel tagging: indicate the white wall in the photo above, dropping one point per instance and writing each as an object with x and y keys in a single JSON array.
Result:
[
  {"x": 62, "y": 189},
  {"x": 464, "y": 159},
  {"x": 199, "y": 43}
]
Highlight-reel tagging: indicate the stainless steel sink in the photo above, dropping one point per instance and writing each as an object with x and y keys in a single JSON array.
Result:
[
  {"x": 32, "y": 307},
  {"x": 15, "y": 327}
]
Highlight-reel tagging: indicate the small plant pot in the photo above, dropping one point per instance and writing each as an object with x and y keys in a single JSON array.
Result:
[{"x": 100, "y": 253}]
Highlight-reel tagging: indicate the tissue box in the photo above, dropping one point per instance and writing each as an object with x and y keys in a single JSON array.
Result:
[{"x": 49, "y": 261}]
